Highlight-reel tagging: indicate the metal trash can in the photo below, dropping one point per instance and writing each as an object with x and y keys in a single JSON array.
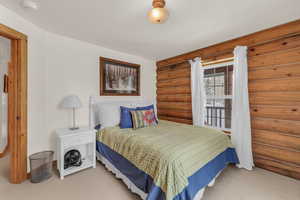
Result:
[{"x": 41, "y": 166}]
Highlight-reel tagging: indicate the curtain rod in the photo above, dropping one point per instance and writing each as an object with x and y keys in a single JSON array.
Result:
[{"x": 217, "y": 61}]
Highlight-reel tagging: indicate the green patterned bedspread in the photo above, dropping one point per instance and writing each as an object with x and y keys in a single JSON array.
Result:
[{"x": 169, "y": 152}]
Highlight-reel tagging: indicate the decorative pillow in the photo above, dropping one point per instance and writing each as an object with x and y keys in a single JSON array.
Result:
[
  {"x": 146, "y": 107},
  {"x": 126, "y": 121},
  {"x": 151, "y": 107},
  {"x": 143, "y": 118}
]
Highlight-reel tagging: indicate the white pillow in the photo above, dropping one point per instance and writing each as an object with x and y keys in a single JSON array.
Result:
[{"x": 108, "y": 115}]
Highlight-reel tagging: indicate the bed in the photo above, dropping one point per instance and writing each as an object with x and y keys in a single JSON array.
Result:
[{"x": 170, "y": 161}]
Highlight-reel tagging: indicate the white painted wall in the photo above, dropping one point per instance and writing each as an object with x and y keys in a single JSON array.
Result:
[
  {"x": 73, "y": 68},
  {"x": 36, "y": 79},
  {"x": 59, "y": 66}
]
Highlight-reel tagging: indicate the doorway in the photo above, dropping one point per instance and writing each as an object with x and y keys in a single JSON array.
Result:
[
  {"x": 17, "y": 104},
  {"x": 5, "y": 51}
]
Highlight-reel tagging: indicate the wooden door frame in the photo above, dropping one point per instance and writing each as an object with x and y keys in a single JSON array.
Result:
[{"x": 17, "y": 104}]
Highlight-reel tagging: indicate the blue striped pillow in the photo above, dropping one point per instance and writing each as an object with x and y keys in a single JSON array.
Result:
[{"x": 143, "y": 118}]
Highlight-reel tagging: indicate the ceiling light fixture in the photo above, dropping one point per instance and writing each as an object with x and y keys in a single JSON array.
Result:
[{"x": 158, "y": 14}]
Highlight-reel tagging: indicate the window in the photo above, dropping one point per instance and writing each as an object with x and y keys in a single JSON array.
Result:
[{"x": 218, "y": 86}]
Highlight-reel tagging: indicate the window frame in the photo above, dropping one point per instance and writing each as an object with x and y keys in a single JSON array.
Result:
[{"x": 214, "y": 66}]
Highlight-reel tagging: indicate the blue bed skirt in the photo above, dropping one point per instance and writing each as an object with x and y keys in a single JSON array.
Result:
[{"x": 144, "y": 182}]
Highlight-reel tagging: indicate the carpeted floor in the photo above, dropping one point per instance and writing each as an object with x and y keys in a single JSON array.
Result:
[{"x": 99, "y": 184}]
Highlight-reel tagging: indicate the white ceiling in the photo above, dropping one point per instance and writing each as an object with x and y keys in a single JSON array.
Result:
[{"x": 122, "y": 24}]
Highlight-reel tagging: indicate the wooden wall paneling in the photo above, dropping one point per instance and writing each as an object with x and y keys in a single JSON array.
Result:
[
  {"x": 284, "y": 126},
  {"x": 283, "y": 85},
  {"x": 175, "y": 98},
  {"x": 175, "y": 113},
  {"x": 275, "y": 98},
  {"x": 286, "y": 56},
  {"x": 181, "y": 65},
  {"x": 276, "y": 112},
  {"x": 173, "y": 74},
  {"x": 276, "y": 163},
  {"x": 174, "y": 82},
  {"x": 174, "y": 86},
  {"x": 276, "y": 139},
  {"x": 179, "y": 120},
  {"x": 277, "y": 45},
  {"x": 258, "y": 38},
  {"x": 274, "y": 92},
  {"x": 274, "y": 152},
  {"x": 280, "y": 167},
  {"x": 174, "y": 90},
  {"x": 275, "y": 72},
  {"x": 184, "y": 106}
]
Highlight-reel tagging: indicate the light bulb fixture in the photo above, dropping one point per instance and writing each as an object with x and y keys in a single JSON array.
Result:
[{"x": 158, "y": 14}]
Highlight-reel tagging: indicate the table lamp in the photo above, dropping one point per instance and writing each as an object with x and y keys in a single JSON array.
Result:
[{"x": 72, "y": 102}]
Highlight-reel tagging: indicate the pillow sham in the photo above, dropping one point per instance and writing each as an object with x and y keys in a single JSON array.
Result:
[
  {"x": 146, "y": 107},
  {"x": 149, "y": 108},
  {"x": 126, "y": 121},
  {"x": 143, "y": 118},
  {"x": 107, "y": 115}
]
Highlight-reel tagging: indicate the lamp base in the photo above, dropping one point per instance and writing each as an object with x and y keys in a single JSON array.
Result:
[{"x": 74, "y": 128}]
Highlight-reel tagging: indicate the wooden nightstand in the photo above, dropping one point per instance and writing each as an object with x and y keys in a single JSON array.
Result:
[{"x": 82, "y": 139}]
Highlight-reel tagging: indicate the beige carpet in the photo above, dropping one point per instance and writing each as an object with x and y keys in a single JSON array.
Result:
[{"x": 99, "y": 184}]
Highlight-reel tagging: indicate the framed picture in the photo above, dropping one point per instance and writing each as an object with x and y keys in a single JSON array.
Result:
[{"x": 118, "y": 78}]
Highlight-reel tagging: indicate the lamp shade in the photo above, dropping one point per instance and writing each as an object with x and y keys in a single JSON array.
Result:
[
  {"x": 71, "y": 101},
  {"x": 158, "y": 15}
]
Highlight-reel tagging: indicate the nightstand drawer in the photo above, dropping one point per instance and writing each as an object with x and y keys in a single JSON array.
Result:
[{"x": 78, "y": 140}]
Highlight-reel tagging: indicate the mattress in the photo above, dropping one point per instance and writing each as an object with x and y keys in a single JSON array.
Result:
[{"x": 168, "y": 161}]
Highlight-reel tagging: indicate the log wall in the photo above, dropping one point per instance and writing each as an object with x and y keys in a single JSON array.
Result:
[{"x": 274, "y": 92}]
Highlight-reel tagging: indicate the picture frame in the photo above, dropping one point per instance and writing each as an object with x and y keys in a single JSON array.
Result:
[{"x": 119, "y": 78}]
